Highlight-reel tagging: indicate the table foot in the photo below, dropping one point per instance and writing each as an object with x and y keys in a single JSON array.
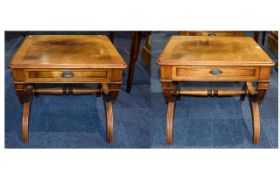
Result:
[
  {"x": 109, "y": 121},
  {"x": 169, "y": 123},
  {"x": 256, "y": 122}
]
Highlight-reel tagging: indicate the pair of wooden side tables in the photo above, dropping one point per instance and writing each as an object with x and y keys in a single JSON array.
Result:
[{"x": 68, "y": 59}]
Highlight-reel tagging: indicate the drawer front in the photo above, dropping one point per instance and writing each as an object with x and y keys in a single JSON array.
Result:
[
  {"x": 212, "y": 73},
  {"x": 38, "y": 76}
]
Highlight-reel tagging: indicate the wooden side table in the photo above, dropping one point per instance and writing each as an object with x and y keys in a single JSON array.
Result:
[
  {"x": 206, "y": 58},
  {"x": 67, "y": 59}
]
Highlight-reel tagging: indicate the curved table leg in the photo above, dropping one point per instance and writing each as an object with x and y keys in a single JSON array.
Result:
[
  {"x": 25, "y": 121},
  {"x": 107, "y": 97},
  {"x": 256, "y": 122},
  {"x": 169, "y": 123},
  {"x": 28, "y": 92},
  {"x": 255, "y": 99},
  {"x": 109, "y": 121}
]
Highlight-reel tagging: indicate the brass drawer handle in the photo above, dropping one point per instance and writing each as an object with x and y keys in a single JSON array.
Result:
[
  {"x": 216, "y": 71},
  {"x": 67, "y": 74},
  {"x": 211, "y": 34}
]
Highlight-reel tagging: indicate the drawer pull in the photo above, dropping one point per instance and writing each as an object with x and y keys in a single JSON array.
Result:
[
  {"x": 216, "y": 71},
  {"x": 67, "y": 74}
]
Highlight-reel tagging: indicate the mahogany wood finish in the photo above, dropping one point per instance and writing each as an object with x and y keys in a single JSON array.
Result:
[
  {"x": 109, "y": 121},
  {"x": 169, "y": 123},
  {"x": 220, "y": 92},
  {"x": 207, "y": 58},
  {"x": 45, "y": 59},
  {"x": 72, "y": 91},
  {"x": 105, "y": 88},
  {"x": 256, "y": 122},
  {"x": 26, "y": 112},
  {"x": 218, "y": 33},
  {"x": 250, "y": 88},
  {"x": 25, "y": 120}
]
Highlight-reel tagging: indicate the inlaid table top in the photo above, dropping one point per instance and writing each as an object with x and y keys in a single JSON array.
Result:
[
  {"x": 67, "y": 51},
  {"x": 205, "y": 50}
]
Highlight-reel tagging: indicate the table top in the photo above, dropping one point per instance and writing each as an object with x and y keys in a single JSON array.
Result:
[
  {"x": 208, "y": 50},
  {"x": 67, "y": 51}
]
